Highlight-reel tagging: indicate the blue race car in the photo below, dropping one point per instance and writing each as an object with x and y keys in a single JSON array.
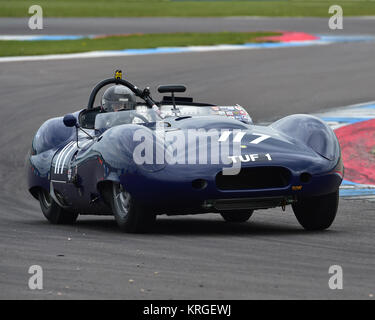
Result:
[{"x": 136, "y": 158}]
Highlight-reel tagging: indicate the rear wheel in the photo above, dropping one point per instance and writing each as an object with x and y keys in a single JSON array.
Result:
[
  {"x": 131, "y": 216},
  {"x": 317, "y": 213},
  {"x": 237, "y": 215},
  {"x": 53, "y": 212}
]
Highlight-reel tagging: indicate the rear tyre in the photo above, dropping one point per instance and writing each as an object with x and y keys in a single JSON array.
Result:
[
  {"x": 237, "y": 215},
  {"x": 131, "y": 216},
  {"x": 317, "y": 213},
  {"x": 53, "y": 212}
]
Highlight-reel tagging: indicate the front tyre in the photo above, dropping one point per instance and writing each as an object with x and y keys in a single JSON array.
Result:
[
  {"x": 131, "y": 216},
  {"x": 237, "y": 216},
  {"x": 53, "y": 212},
  {"x": 317, "y": 213}
]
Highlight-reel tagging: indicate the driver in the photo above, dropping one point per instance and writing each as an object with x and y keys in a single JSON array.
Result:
[{"x": 117, "y": 98}]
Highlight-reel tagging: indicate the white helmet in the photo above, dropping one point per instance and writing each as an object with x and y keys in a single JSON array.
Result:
[{"x": 118, "y": 97}]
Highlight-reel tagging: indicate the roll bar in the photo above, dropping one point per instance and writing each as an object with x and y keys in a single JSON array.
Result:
[{"x": 143, "y": 94}]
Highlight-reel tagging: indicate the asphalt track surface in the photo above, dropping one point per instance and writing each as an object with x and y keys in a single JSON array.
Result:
[
  {"x": 188, "y": 257},
  {"x": 87, "y": 26}
]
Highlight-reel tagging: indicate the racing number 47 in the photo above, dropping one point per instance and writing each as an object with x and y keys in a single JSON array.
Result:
[{"x": 238, "y": 137}]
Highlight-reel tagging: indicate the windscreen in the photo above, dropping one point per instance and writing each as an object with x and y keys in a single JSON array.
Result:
[{"x": 141, "y": 115}]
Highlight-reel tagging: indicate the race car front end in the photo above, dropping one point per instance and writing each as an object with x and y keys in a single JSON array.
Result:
[{"x": 263, "y": 180}]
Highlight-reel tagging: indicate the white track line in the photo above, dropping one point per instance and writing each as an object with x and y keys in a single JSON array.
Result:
[{"x": 160, "y": 50}]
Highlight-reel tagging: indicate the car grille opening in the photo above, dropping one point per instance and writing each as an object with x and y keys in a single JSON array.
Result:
[{"x": 254, "y": 178}]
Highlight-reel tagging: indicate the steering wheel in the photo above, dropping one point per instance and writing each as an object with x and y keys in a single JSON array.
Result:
[{"x": 143, "y": 94}]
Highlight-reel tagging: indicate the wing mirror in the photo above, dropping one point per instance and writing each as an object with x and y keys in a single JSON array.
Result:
[
  {"x": 172, "y": 88},
  {"x": 70, "y": 120}
]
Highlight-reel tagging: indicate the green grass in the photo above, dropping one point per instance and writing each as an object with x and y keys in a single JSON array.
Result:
[
  {"x": 169, "y": 8},
  {"x": 134, "y": 41}
]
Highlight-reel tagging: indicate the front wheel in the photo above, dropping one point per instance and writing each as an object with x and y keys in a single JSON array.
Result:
[
  {"x": 131, "y": 216},
  {"x": 317, "y": 213},
  {"x": 237, "y": 215},
  {"x": 53, "y": 212}
]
